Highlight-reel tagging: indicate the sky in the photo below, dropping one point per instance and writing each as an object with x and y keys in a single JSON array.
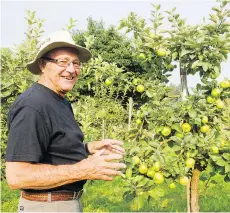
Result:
[{"x": 57, "y": 15}]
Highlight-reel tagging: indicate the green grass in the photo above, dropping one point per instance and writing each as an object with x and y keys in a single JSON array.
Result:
[{"x": 101, "y": 196}]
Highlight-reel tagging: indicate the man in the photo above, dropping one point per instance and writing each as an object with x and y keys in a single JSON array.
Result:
[{"x": 45, "y": 155}]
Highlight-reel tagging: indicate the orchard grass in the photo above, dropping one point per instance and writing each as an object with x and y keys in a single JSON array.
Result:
[{"x": 101, "y": 196}]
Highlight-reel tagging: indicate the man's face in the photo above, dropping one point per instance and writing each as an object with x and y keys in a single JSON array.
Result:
[{"x": 60, "y": 79}]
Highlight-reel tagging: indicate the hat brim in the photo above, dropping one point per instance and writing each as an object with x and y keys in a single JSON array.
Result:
[{"x": 83, "y": 54}]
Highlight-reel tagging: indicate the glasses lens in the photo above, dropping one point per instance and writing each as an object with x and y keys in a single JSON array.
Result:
[
  {"x": 76, "y": 64},
  {"x": 63, "y": 63}
]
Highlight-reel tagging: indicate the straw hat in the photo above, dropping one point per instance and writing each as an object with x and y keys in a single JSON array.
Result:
[{"x": 55, "y": 40}]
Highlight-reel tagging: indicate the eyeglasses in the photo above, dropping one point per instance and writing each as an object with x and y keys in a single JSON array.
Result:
[{"x": 64, "y": 63}]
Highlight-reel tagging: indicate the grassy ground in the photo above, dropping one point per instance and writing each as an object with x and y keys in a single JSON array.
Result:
[{"x": 103, "y": 196}]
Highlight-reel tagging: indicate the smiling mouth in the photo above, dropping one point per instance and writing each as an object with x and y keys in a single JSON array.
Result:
[{"x": 68, "y": 78}]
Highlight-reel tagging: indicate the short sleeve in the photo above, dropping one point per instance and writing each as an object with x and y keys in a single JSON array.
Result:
[{"x": 28, "y": 137}]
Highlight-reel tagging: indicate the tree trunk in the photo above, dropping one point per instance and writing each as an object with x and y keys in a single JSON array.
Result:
[
  {"x": 184, "y": 84},
  {"x": 188, "y": 196},
  {"x": 130, "y": 112},
  {"x": 192, "y": 188},
  {"x": 194, "y": 203}
]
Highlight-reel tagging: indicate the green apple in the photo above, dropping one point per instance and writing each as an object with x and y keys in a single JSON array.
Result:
[
  {"x": 205, "y": 128},
  {"x": 224, "y": 84},
  {"x": 210, "y": 99},
  {"x": 151, "y": 173},
  {"x": 140, "y": 88},
  {"x": 136, "y": 160},
  {"x": 142, "y": 56},
  {"x": 186, "y": 127},
  {"x": 156, "y": 166},
  {"x": 219, "y": 104},
  {"x": 215, "y": 92},
  {"x": 190, "y": 162},
  {"x": 143, "y": 169},
  {"x": 159, "y": 178},
  {"x": 184, "y": 180},
  {"x": 215, "y": 149},
  {"x": 108, "y": 82},
  {"x": 166, "y": 131},
  {"x": 138, "y": 121},
  {"x": 172, "y": 186},
  {"x": 161, "y": 52},
  {"x": 204, "y": 120}
]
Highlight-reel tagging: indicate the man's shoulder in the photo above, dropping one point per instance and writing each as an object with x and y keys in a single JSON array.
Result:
[{"x": 34, "y": 97}]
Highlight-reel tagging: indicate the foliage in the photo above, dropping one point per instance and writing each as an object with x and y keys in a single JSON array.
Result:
[
  {"x": 108, "y": 44},
  {"x": 104, "y": 196},
  {"x": 15, "y": 78},
  {"x": 171, "y": 134}
]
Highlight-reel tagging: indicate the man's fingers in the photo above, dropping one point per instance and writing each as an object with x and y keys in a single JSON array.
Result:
[
  {"x": 118, "y": 149},
  {"x": 112, "y": 142},
  {"x": 115, "y": 166},
  {"x": 111, "y": 157},
  {"x": 104, "y": 177},
  {"x": 111, "y": 172},
  {"x": 100, "y": 152}
]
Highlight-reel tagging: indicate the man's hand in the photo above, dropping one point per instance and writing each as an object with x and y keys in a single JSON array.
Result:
[
  {"x": 100, "y": 166},
  {"x": 109, "y": 146}
]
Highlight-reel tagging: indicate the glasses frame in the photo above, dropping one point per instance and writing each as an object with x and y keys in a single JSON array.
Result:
[{"x": 57, "y": 61}]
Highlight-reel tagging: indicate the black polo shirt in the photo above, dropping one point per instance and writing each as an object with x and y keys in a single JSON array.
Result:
[{"x": 42, "y": 129}]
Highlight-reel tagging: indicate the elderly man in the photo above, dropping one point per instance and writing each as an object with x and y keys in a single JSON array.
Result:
[{"x": 45, "y": 155}]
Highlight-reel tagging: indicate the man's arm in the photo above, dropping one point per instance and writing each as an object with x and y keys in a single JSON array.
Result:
[{"x": 24, "y": 175}]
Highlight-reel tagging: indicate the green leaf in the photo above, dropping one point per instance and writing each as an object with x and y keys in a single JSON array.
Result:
[
  {"x": 143, "y": 182},
  {"x": 138, "y": 178},
  {"x": 195, "y": 64},
  {"x": 215, "y": 157},
  {"x": 154, "y": 143},
  {"x": 174, "y": 55},
  {"x": 226, "y": 156},
  {"x": 192, "y": 56},
  {"x": 227, "y": 178},
  {"x": 192, "y": 113},
  {"x": 227, "y": 168},
  {"x": 157, "y": 193},
  {"x": 197, "y": 121},
  {"x": 203, "y": 178},
  {"x": 150, "y": 95},
  {"x": 216, "y": 69},
  {"x": 167, "y": 149},
  {"x": 184, "y": 52},
  {"x": 191, "y": 146},
  {"x": 188, "y": 138},
  {"x": 176, "y": 148},
  {"x": 139, "y": 201},
  {"x": 221, "y": 162},
  {"x": 128, "y": 196},
  {"x": 158, "y": 7},
  {"x": 177, "y": 127},
  {"x": 213, "y": 182},
  {"x": 205, "y": 66}
]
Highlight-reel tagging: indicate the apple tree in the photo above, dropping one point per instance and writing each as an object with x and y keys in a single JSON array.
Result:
[{"x": 174, "y": 140}]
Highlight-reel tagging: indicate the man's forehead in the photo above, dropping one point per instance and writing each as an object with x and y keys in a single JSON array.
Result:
[{"x": 65, "y": 51}]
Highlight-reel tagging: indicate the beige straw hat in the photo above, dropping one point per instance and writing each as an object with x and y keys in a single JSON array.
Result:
[{"x": 55, "y": 40}]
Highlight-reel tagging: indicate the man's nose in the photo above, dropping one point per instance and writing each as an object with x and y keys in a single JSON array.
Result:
[{"x": 70, "y": 68}]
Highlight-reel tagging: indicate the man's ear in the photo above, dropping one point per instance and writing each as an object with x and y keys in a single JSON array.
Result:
[{"x": 41, "y": 64}]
